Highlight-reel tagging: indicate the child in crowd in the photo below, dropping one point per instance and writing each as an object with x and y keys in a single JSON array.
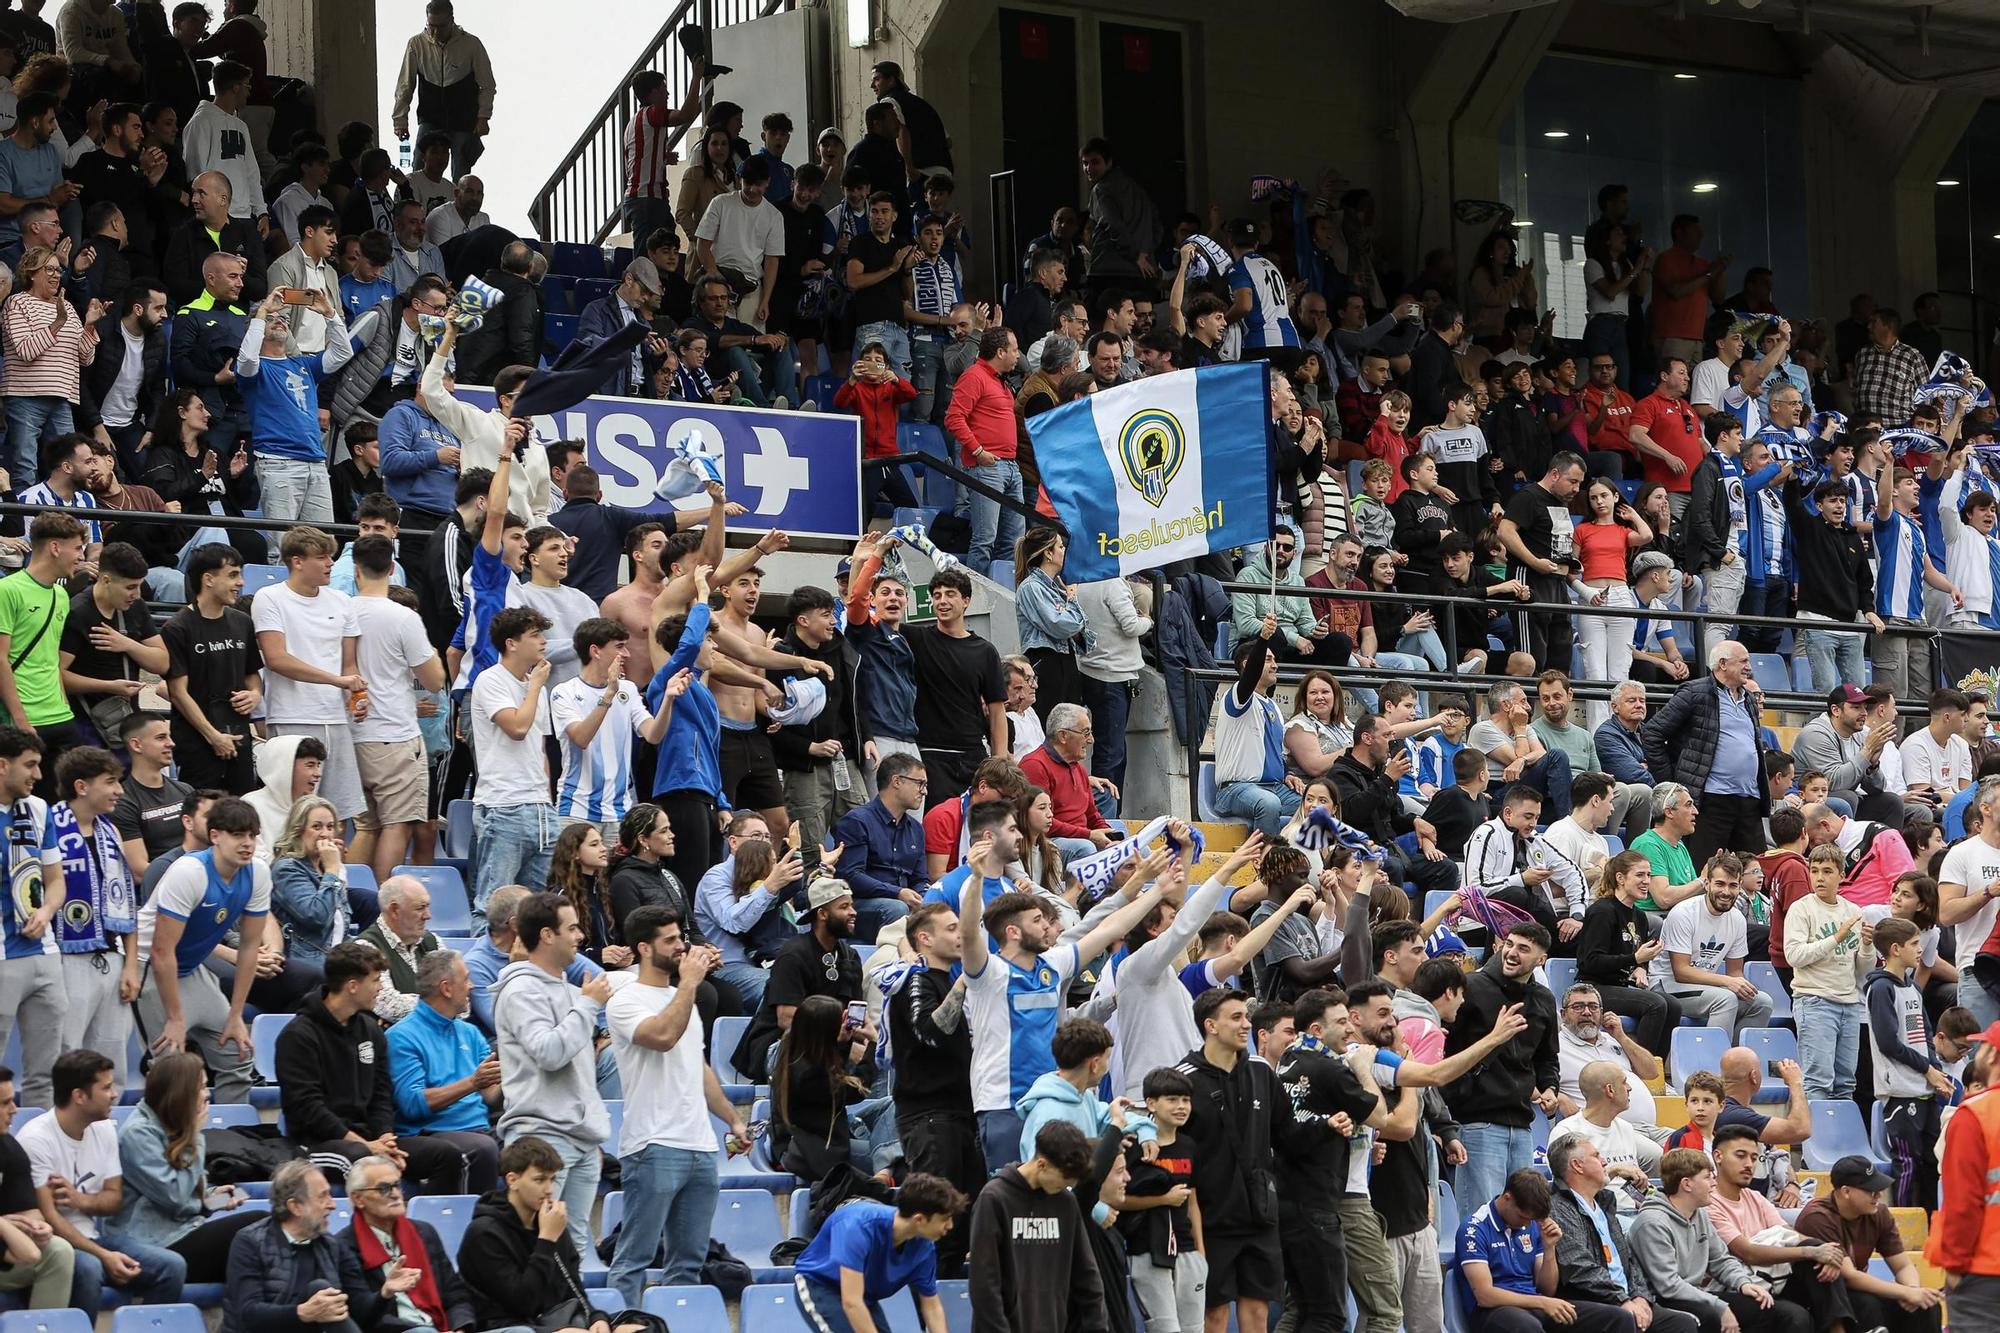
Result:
[
  {"x": 1910, "y": 1081},
  {"x": 1814, "y": 786},
  {"x": 1458, "y": 809},
  {"x": 1389, "y": 439},
  {"x": 1956, "y": 1029},
  {"x": 1704, "y": 1095},
  {"x": 876, "y": 393},
  {"x": 1161, "y": 1218},
  {"x": 1370, "y": 516},
  {"x": 1823, "y": 944}
]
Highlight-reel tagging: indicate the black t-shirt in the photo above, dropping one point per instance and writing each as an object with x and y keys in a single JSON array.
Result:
[
  {"x": 151, "y": 814},
  {"x": 1399, "y": 1187},
  {"x": 956, "y": 680},
  {"x": 1546, "y": 525},
  {"x": 1144, "y": 1228},
  {"x": 215, "y": 656},
  {"x": 1318, "y": 1085},
  {"x": 17, "y": 1181},
  {"x": 135, "y": 623},
  {"x": 797, "y": 973},
  {"x": 882, "y": 302}
]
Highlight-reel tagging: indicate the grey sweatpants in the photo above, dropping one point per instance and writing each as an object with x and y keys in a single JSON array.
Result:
[
  {"x": 31, "y": 991},
  {"x": 96, "y": 1019},
  {"x": 1172, "y": 1299},
  {"x": 205, "y": 1011},
  {"x": 1421, "y": 1279}
]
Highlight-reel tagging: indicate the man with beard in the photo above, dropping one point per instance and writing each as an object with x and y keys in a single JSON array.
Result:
[
  {"x": 817, "y": 961},
  {"x": 1703, "y": 944},
  {"x": 933, "y": 1046},
  {"x": 1586, "y": 1038},
  {"x": 1494, "y": 1108},
  {"x": 1365, "y": 778},
  {"x": 285, "y": 1271},
  {"x": 1593, "y": 1255},
  {"x": 121, "y": 388}
]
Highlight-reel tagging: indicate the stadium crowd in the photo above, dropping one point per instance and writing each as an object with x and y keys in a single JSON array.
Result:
[{"x": 1442, "y": 1016}]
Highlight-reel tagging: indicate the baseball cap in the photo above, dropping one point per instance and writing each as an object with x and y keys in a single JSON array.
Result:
[
  {"x": 846, "y": 565},
  {"x": 826, "y": 889},
  {"x": 646, "y": 273},
  {"x": 1648, "y": 561},
  {"x": 1860, "y": 1173},
  {"x": 1847, "y": 694},
  {"x": 1242, "y": 231}
]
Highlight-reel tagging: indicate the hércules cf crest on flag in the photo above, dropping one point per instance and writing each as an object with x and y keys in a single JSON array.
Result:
[{"x": 1162, "y": 469}]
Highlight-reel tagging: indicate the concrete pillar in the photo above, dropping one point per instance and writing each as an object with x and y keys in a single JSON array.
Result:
[
  {"x": 1873, "y": 150},
  {"x": 331, "y": 45},
  {"x": 1457, "y": 102}
]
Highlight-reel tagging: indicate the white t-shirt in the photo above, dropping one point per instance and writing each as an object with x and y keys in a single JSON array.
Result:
[
  {"x": 1711, "y": 381},
  {"x": 121, "y": 400},
  {"x": 393, "y": 645},
  {"x": 511, "y": 772},
  {"x": 1708, "y": 940},
  {"x": 596, "y": 779},
  {"x": 1621, "y": 1144},
  {"x": 743, "y": 236},
  {"x": 86, "y": 1164},
  {"x": 1945, "y": 767},
  {"x": 664, "y": 1101},
  {"x": 1573, "y": 1053},
  {"x": 1974, "y": 864},
  {"x": 314, "y": 628},
  {"x": 1596, "y": 303}
]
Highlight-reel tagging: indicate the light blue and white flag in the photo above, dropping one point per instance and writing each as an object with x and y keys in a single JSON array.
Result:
[
  {"x": 1096, "y": 871},
  {"x": 1165, "y": 468}
]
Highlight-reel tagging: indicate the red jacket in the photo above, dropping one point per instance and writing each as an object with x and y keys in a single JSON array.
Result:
[
  {"x": 981, "y": 415},
  {"x": 1785, "y": 882},
  {"x": 876, "y": 405},
  {"x": 1068, "y": 786}
]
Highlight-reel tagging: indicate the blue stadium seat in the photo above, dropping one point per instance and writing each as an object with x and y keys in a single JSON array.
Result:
[
  {"x": 264, "y": 1044},
  {"x": 1802, "y": 673},
  {"x": 1837, "y": 1132},
  {"x": 458, "y": 828},
  {"x": 722, "y": 1044},
  {"x": 957, "y": 1300},
  {"x": 157, "y": 1319},
  {"x": 1204, "y": 809},
  {"x": 576, "y": 261},
  {"x": 1562, "y": 975},
  {"x": 1878, "y": 1138},
  {"x": 1770, "y": 1044},
  {"x": 701, "y": 1307},
  {"x": 1772, "y": 671},
  {"x": 238, "y": 1116},
  {"x": 1765, "y": 978},
  {"x": 451, "y": 910},
  {"x": 261, "y": 576},
  {"x": 1613, "y": 844},
  {"x": 800, "y": 1209},
  {"x": 558, "y": 329},
  {"x": 1447, "y": 1221},
  {"x": 766, "y": 1308},
  {"x": 617, "y": 258},
  {"x": 589, "y": 291},
  {"x": 362, "y": 877},
  {"x": 747, "y": 1222},
  {"x": 449, "y": 1213},
  {"x": 1690, "y": 1049},
  {"x": 45, "y": 1321},
  {"x": 558, "y": 294},
  {"x": 603, "y": 1299},
  {"x": 821, "y": 389},
  {"x": 1001, "y": 572}
]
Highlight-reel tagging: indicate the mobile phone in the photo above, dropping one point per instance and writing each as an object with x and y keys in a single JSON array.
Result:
[
  {"x": 1771, "y": 1067},
  {"x": 295, "y": 295},
  {"x": 857, "y": 1014}
]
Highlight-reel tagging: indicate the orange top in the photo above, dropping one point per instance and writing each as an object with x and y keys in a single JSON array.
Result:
[{"x": 1605, "y": 548}]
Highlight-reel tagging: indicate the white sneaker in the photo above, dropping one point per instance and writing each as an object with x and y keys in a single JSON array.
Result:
[
  {"x": 809, "y": 405},
  {"x": 781, "y": 403}
]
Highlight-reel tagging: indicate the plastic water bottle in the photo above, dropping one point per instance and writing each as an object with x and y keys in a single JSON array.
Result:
[
  {"x": 841, "y": 781},
  {"x": 403, "y": 152}
]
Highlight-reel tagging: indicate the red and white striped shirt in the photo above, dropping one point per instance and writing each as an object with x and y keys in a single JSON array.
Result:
[
  {"x": 42, "y": 362},
  {"x": 647, "y": 154}
]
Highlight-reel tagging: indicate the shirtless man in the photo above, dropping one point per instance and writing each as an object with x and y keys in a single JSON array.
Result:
[
  {"x": 750, "y": 779},
  {"x": 632, "y": 604}
]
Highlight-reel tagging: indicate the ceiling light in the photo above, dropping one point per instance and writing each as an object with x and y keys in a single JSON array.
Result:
[
  {"x": 1704, "y": 187},
  {"x": 1946, "y": 184},
  {"x": 1555, "y": 134},
  {"x": 1523, "y": 222},
  {"x": 1686, "y": 77}
]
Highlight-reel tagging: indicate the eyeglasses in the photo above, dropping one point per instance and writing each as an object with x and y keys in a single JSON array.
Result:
[
  {"x": 1586, "y": 1006},
  {"x": 1604, "y": 365},
  {"x": 392, "y": 1187},
  {"x": 919, "y": 783}
]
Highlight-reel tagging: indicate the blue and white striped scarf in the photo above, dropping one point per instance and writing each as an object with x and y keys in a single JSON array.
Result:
[
  {"x": 1096, "y": 871},
  {"x": 1321, "y": 831},
  {"x": 1947, "y": 381},
  {"x": 98, "y": 898}
]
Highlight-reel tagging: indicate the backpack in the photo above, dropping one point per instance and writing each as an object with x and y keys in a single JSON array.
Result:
[{"x": 251, "y": 1153}]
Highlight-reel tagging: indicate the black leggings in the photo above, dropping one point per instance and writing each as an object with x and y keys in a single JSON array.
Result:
[
  {"x": 206, "y": 1248},
  {"x": 691, "y": 813}
]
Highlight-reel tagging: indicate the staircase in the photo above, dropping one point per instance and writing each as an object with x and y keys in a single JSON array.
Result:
[{"x": 580, "y": 200}]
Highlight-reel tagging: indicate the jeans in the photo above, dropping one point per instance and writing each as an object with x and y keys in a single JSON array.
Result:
[
  {"x": 1829, "y": 1043},
  {"x": 1264, "y": 805},
  {"x": 895, "y": 340},
  {"x": 1771, "y": 598},
  {"x": 994, "y": 528},
  {"x": 749, "y": 980},
  {"x": 1110, "y": 704},
  {"x": 1493, "y": 1152},
  {"x": 161, "y": 1272},
  {"x": 511, "y": 844},
  {"x": 466, "y": 150},
  {"x": 644, "y": 216},
  {"x": 1550, "y": 775},
  {"x": 926, "y": 363},
  {"x": 1835, "y": 656},
  {"x": 1427, "y": 647},
  {"x": 763, "y": 374},
  {"x": 295, "y": 491},
  {"x": 576, "y": 1185},
  {"x": 31, "y": 421},
  {"x": 872, "y": 914},
  {"x": 1972, "y": 995},
  {"x": 1725, "y": 594},
  {"x": 999, "y": 1138},
  {"x": 670, "y": 1196}
]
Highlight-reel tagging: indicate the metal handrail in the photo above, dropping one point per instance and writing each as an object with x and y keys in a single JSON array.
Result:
[
  {"x": 1029, "y": 514},
  {"x": 581, "y": 200}
]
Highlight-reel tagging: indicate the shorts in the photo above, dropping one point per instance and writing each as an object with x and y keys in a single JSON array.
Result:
[
  {"x": 1244, "y": 1265},
  {"x": 340, "y": 780},
  {"x": 750, "y": 779},
  {"x": 396, "y": 781}
]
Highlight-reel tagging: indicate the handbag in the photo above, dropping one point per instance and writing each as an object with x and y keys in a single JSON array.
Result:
[{"x": 107, "y": 712}]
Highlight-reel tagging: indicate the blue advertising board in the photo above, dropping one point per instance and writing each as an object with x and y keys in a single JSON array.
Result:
[{"x": 800, "y": 471}]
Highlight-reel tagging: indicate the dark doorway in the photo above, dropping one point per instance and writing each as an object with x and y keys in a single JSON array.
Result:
[
  {"x": 1145, "y": 110},
  {"x": 1038, "y": 113}
]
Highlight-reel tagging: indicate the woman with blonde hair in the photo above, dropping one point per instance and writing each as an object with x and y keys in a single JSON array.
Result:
[
  {"x": 309, "y": 894},
  {"x": 1615, "y": 946},
  {"x": 167, "y": 1201},
  {"x": 46, "y": 348}
]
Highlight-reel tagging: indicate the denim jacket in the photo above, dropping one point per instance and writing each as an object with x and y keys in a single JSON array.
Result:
[
  {"x": 310, "y": 906},
  {"x": 162, "y": 1201},
  {"x": 1049, "y": 618}
]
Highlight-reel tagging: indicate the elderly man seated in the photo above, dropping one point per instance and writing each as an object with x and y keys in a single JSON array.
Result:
[
  {"x": 444, "y": 1073},
  {"x": 285, "y": 1272},
  {"x": 403, "y": 1258},
  {"x": 1594, "y": 1257},
  {"x": 1061, "y": 767},
  {"x": 1590, "y": 1033},
  {"x": 401, "y": 934}
]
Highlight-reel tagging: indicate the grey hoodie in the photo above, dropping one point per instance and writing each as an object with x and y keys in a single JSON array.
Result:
[
  {"x": 1668, "y": 1247},
  {"x": 543, "y": 1030}
]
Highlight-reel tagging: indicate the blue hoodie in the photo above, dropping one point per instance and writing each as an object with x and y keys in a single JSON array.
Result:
[
  {"x": 1052, "y": 1097},
  {"x": 411, "y": 473}
]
